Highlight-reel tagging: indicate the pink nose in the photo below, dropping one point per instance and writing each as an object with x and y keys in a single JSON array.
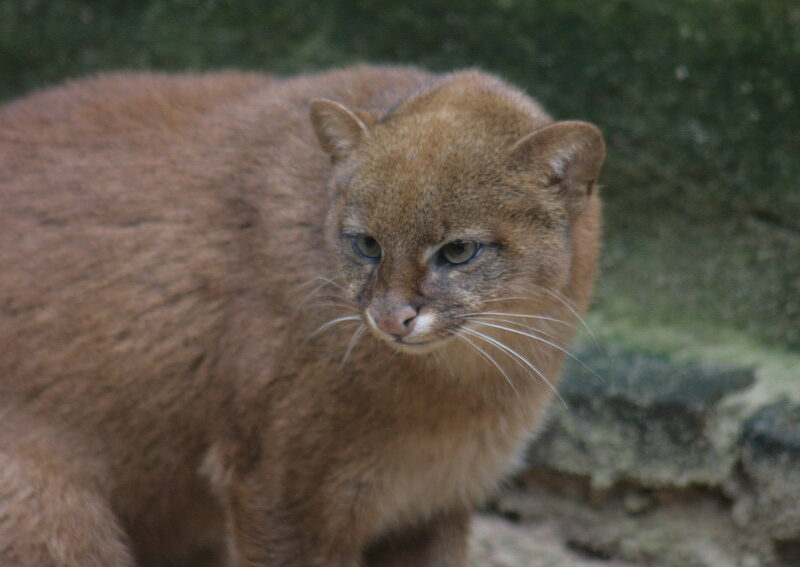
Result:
[{"x": 398, "y": 321}]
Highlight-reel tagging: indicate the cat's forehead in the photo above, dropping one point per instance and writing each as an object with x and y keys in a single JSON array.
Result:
[
  {"x": 428, "y": 177},
  {"x": 427, "y": 168},
  {"x": 419, "y": 224},
  {"x": 416, "y": 214}
]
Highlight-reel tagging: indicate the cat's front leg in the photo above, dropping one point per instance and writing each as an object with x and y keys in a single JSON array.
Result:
[
  {"x": 277, "y": 546},
  {"x": 439, "y": 542},
  {"x": 287, "y": 531}
]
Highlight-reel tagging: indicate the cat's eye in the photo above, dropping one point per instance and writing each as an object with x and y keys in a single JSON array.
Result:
[
  {"x": 459, "y": 251},
  {"x": 367, "y": 248}
]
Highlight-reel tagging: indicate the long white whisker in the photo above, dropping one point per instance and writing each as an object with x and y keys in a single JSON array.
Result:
[
  {"x": 510, "y": 298},
  {"x": 331, "y": 323},
  {"x": 446, "y": 361},
  {"x": 313, "y": 294},
  {"x": 330, "y": 296},
  {"x": 329, "y": 281},
  {"x": 571, "y": 310},
  {"x": 515, "y": 356},
  {"x": 308, "y": 296},
  {"x": 494, "y": 362},
  {"x": 516, "y": 324},
  {"x": 353, "y": 340},
  {"x": 336, "y": 304},
  {"x": 559, "y": 298},
  {"x": 541, "y": 340},
  {"x": 323, "y": 283},
  {"x": 521, "y": 315}
]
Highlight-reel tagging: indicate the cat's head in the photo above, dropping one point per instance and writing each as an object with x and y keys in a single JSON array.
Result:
[{"x": 461, "y": 196}]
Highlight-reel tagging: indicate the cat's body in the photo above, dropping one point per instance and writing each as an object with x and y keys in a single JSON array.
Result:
[{"x": 176, "y": 253}]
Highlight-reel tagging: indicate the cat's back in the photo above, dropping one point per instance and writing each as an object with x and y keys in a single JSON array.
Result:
[
  {"x": 93, "y": 228},
  {"x": 129, "y": 123},
  {"x": 95, "y": 110},
  {"x": 84, "y": 153}
]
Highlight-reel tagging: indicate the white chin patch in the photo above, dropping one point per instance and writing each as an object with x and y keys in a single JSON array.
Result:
[{"x": 424, "y": 324}]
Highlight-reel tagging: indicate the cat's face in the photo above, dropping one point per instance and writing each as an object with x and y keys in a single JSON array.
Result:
[{"x": 433, "y": 224}]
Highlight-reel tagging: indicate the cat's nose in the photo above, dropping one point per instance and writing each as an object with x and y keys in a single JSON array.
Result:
[{"x": 398, "y": 321}]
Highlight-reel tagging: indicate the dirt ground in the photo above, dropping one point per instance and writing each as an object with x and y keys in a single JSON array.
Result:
[{"x": 497, "y": 542}]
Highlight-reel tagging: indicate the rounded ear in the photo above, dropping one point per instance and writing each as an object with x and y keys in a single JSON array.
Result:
[
  {"x": 338, "y": 128},
  {"x": 568, "y": 155}
]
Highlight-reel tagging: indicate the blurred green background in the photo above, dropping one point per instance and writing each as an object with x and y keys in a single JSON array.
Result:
[{"x": 698, "y": 100}]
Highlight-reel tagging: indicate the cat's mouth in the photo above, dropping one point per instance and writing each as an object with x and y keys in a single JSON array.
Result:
[
  {"x": 416, "y": 347},
  {"x": 418, "y": 342},
  {"x": 411, "y": 345}
]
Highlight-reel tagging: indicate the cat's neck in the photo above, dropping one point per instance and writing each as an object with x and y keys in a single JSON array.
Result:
[{"x": 487, "y": 377}]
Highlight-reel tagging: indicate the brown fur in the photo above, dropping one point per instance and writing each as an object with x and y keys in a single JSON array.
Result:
[{"x": 163, "y": 391}]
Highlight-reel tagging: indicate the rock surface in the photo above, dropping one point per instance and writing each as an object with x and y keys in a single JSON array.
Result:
[
  {"x": 770, "y": 460},
  {"x": 496, "y": 542},
  {"x": 666, "y": 465},
  {"x": 641, "y": 417}
]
